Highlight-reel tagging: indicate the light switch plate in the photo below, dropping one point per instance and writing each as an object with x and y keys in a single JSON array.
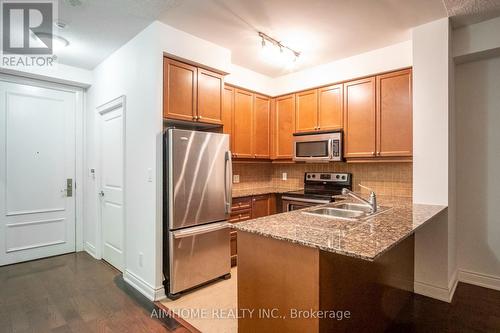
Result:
[
  {"x": 236, "y": 179},
  {"x": 284, "y": 176}
]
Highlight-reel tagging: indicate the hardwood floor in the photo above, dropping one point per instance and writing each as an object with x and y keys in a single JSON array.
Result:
[
  {"x": 474, "y": 309},
  {"x": 74, "y": 293}
]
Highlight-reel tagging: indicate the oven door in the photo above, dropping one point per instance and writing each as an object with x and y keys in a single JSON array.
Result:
[{"x": 291, "y": 203}]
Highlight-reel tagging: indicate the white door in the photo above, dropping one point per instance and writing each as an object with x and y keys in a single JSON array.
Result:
[
  {"x": 37, "y": 159},
  {"x": 112, "y": 210}
]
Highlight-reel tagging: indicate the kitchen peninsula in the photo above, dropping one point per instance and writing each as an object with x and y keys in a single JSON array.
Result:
[{"x": 323, "y": 266}]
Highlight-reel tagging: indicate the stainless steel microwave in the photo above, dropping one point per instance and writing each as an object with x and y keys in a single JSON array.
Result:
[{"x": 324, "y": 147}]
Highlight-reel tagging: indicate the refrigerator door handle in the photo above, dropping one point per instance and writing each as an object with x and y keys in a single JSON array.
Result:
[
  {"x": 199, "y": 230},
  {"x": 228, "y": 171}
]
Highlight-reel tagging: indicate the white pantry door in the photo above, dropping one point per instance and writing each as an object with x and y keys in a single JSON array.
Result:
[
  {"x": 112, "y": 210},
  {"x": 37, "y": 158}
]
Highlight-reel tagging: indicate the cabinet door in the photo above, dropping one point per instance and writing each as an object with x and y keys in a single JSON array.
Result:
[
  {"x": 306, "y": 111},
  {"x": 227, "y": 111},
  {"x": 284, "y": 119},
  {"x": 359, "y": 125},
  {"x": 261, "y": 125},
  {"x": 243, "y": 124},
  {"x": 261, "y": 206},
  {"x": 330, "y": 107},
  {"x": 394, "y": 114},
  {"x": 179, "y": 90},
  {"x": 210, "y": 86}
]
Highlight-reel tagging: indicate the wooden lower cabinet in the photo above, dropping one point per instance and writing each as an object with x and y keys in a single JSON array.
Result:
[{"x": 247, "y": 208}]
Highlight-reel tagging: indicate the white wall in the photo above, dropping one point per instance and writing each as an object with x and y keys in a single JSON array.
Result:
[
  {"x": 59, "y": 73},
  {"x": 377, "y": 61},
  {"x": 434, "y": 244},
  {"x": 246, "y": 78},
  {"x": 478, "y": 162}
]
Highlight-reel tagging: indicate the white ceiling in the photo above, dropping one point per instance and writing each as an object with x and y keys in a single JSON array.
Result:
[
  {"x": 96, "y": 28},
  {"x": 322, "y": 30},
  {"x": 465, "y": 12}
]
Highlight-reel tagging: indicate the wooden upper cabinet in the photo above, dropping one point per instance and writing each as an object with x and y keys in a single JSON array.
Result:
[
  {"x": 261, "y": 125},
  {"x": 179, "y": 95},
  {"x": 227, "y": 110},
  {"x": 359, "y": 112},
  {"x": 330, "y": 108},
  {"x": 306, "y": 111},
  {"x": 210, "y": 87},
  {"x": 243, "y": 124},
  {"x": 284, "y": 124},
  {"x": 394, "y": 114}
]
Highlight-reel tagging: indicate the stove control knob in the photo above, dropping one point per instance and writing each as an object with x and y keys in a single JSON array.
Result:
[
  {"x": 343, "y": 177},
  {"x": 314, "y": 176},
  {"x": 338, "y": 176},
  {"x": 308, "y": 176}
]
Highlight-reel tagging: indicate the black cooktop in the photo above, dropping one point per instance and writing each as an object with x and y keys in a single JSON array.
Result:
[{"x": 323, "y": 185}]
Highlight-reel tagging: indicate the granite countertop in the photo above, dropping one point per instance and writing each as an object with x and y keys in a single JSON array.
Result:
[
  {"x": 240, "y": 193},
  {"x": 366, "y": 239}
]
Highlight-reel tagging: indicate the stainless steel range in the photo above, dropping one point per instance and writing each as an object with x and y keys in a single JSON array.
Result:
[{"x": 319, "y": 188}]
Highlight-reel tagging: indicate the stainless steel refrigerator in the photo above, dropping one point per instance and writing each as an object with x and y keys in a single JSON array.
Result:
[{"x": 197, "y": 175}]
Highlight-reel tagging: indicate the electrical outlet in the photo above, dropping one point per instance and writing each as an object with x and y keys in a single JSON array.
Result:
[
  {"x": 284, "y": 176},
  {"x": 141, "y": 257},
  {"x": 236, "y": 179}
]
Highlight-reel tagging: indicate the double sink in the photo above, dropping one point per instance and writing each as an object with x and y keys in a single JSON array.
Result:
[{"x": 347, "y": 211}]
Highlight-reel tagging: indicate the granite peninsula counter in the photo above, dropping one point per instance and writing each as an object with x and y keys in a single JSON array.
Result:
[
  {"x": 362, "y": 239},
  {"x": 300, "y": 263}
]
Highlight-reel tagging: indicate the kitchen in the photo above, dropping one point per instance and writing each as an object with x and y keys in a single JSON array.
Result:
[{"x": 258, "y": 174}]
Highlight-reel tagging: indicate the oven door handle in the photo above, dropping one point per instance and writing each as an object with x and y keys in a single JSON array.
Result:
[{"x": 316, "y": 201}]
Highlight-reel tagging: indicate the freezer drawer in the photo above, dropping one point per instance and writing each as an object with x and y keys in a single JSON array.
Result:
[{"x": 198, "y": 255}]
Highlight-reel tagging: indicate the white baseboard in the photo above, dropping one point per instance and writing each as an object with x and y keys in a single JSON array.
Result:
[
  {"x": 437, "y": 292},
  {"x": 479, "y": 279},
  {"x": 90, "y": 249},
  {"x": 152, "y": 293}
]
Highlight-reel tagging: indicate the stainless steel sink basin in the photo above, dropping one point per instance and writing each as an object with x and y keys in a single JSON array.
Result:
[
  {"x": 353, "y": 206},
  {"x": 335, "y": 212},
  {"x": 347, "y": 211}
]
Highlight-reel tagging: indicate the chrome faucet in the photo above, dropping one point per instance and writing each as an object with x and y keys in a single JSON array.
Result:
[{"x": 372, "y": 202}]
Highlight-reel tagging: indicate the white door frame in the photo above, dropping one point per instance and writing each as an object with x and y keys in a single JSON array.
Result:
[
  {"x": 101, "y": 110},
  {"x": 80, "y": 158}
]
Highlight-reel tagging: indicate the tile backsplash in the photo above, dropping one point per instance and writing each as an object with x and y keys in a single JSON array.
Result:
[{"x": 393, "y": 179}]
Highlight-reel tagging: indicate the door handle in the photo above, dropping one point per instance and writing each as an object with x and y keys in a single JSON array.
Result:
[
  {"x": 200, "y": 230},
  {"x": 101, "y": 193},
  {"x": 69, "y": 187},
  {"x": 228, "y": 171}
]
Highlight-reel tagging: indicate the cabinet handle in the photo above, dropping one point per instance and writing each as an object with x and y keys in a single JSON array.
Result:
[
  {"x": 378, "y": 153},
  {"x": 199, "y": 117},
  {"x": 194, "y": 118},
  {"x": 373, "y": 153}
]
